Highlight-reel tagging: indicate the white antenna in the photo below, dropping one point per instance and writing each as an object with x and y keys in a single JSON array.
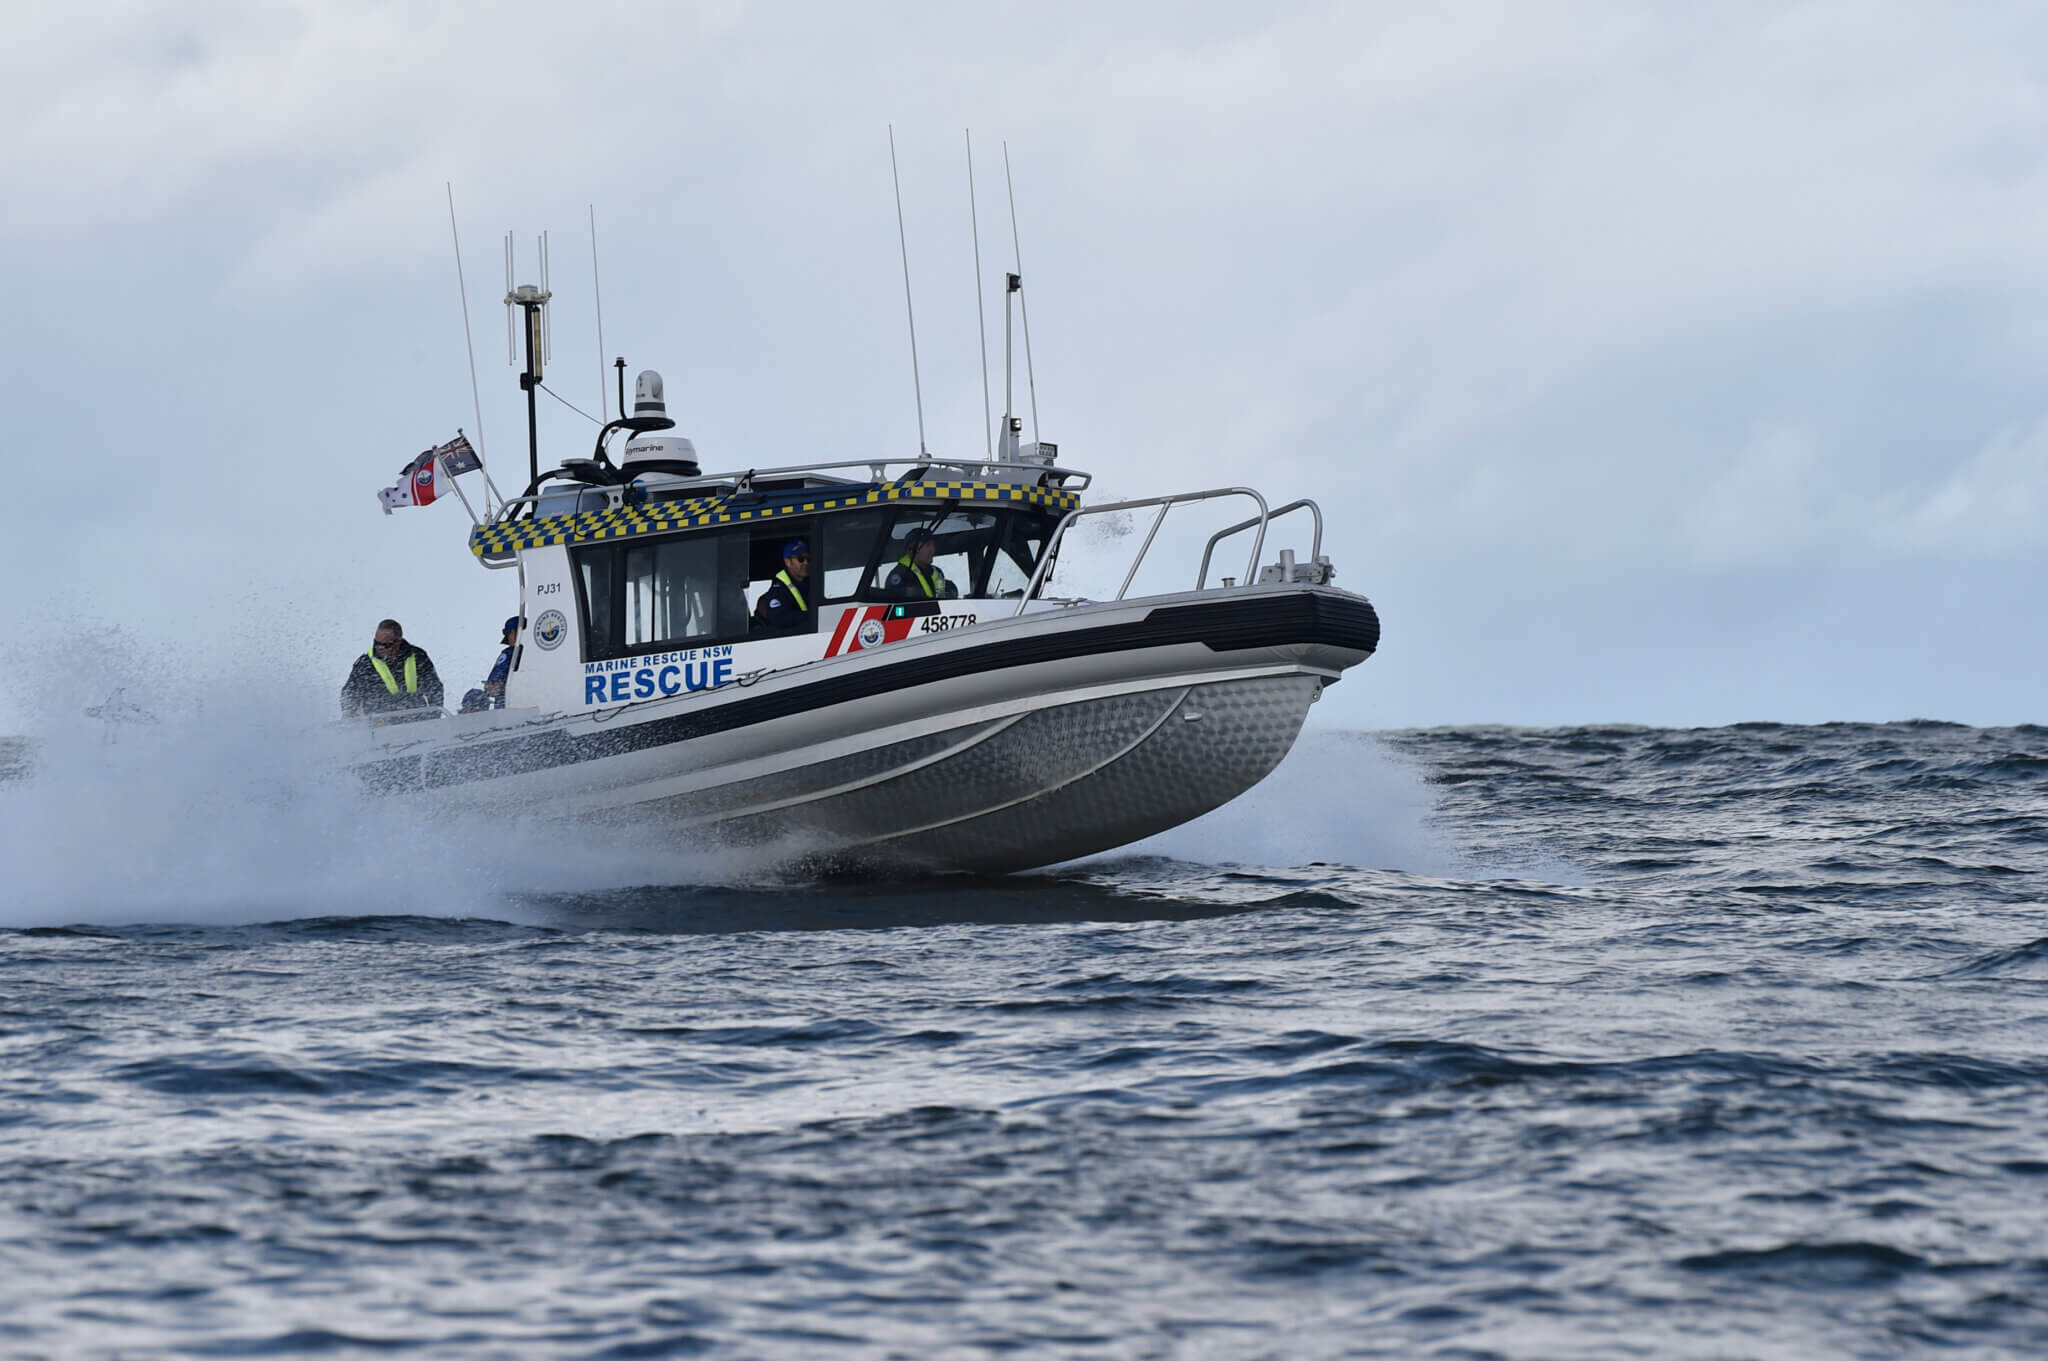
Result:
[
  {"x": 511, "y": 352},
  {"x": 547, "y": 331},
  {"x": 475, "y": 397},
  {"x": 988, "y": 420},
  {"x": 603, "y": 408},
  {"x": 1023, "y": 307},
  {"x": 916, "y": 383},
  {"x": 533, "y": 304}
]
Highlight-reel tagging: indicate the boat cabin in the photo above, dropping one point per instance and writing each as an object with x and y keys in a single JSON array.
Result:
[{"x": 635, "y": 592}]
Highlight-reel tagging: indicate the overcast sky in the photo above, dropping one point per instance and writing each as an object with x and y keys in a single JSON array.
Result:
[{"x": 1652, "y": 363}]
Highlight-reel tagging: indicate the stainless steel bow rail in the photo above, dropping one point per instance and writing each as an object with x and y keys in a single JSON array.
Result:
[
  {"x": 1166, "y": 503},
  {"x": 1315, "y": 549}
]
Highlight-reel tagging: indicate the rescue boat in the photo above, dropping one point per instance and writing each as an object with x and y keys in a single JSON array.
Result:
[{"x": 966, "y": 719}]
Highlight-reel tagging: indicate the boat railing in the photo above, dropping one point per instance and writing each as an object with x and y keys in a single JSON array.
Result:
[
  {"x": 1066, "y": 479},
  {"x": 1262, "y": 520},
  {"x": 1165, "y": 504}
]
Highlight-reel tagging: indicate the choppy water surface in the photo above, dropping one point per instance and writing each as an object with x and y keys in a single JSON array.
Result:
[{"x": 1589, "y": 1042}]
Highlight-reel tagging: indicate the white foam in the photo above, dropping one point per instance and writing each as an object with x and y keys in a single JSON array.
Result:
[
  {"x": 213, "y": 807},
  {"x": 1342, "y": 798}
]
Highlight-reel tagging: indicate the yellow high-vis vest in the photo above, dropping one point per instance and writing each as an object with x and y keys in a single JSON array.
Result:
[{"x": 412, "y": 672}]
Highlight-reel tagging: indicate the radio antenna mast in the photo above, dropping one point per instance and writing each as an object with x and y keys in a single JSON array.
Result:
[
  {"x": 469, "y": 341},
  {"x": 1023, "y": 307},
  {"x": 532, "y": 303},
  {"x": 597, "y": 294},
  {"x": 988, "y": 420},
  {"x": 903, "y": 242}
]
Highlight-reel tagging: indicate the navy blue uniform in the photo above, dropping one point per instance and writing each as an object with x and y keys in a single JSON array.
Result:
[{"x": 783, "y": 608}]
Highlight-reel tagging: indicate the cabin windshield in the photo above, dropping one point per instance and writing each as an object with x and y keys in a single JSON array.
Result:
[
  {"x": 1016, "y": 554},
  {"x": 978, "y": 554}
]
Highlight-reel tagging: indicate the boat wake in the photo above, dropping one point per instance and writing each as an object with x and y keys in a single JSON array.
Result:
[
  {"x": 222, "y": 819},
  {"x": 150, "y": 804},
  {"x": 217, "y": 818}
]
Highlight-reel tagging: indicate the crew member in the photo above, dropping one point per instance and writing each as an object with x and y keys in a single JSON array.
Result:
[
  {"x": 393, "y": 677},
  {"x": 491, "y": 695},
  {"x": 785, "y": 606},
  {"x": 915, "y": 576}
]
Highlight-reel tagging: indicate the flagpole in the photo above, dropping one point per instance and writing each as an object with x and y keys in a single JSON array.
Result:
[
  {"x": 485, "y": 469},
  {"x": 441, "y": 468}
]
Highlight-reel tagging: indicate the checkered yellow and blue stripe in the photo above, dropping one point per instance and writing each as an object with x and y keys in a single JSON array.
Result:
[{"x": 629, "y": 522}]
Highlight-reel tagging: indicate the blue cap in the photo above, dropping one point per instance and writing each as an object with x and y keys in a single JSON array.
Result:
[
  {"x": 794, "y": 547},
  {"x": 510, "y": 624}
]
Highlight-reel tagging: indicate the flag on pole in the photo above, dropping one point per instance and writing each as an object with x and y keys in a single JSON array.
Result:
[
  {"x": 416, "y": 486},
  {"x": 421, "y": 481},
  {"x": 457, "y": 457}
]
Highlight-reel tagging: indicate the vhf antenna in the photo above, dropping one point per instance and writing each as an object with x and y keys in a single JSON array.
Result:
[
  {"x": 597, "y": 294},
  {"x": 533, "y": 302},
  {"x": 469, "y": 342},
  {"x": 988, "y": 420},
  {"x": 903, "y": 241},
  {"x": 1017, "y": 287}
]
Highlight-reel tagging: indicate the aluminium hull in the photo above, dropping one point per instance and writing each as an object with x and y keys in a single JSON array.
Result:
[{"x": 1018, "y": 743}]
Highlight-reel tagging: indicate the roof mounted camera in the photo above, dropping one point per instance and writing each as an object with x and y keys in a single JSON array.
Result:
[{"x": 650, "y": 412}]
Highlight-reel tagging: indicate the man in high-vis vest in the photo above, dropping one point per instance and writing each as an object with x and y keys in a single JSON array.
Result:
[
  {"x": 785, "y": 606},
  {"x": 393, "y": 677},
  {"x": 915, "y": 576}
]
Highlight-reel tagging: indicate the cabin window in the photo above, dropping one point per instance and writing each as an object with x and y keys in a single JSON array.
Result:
[
  {"x": 960, "y": 539},
  {"x": 594, "y": 569},
  {"x": 643, "y": 596},
  {"x": 847, "y": 551},
  {"x": 1016, "y": 555},
  {"x": 764, "y": 560},
  {"x": 672, "y": 591},
  {"x": 983, "y": 553}
]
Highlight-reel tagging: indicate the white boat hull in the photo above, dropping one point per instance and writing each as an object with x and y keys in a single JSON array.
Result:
[
  {"x": 1019, "y": 743},
  {"x": 1051, "y": 784}
]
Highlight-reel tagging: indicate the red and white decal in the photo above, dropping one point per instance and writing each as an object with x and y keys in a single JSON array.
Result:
[{"x": 865, "y": 627}]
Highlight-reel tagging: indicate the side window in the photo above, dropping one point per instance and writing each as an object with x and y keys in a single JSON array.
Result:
[
  {"x": 595, "y": 570},
  {"x": 765, "y": 561},
  {"x": 676, "y": 592},
  {"x": 672, "y": 592}
]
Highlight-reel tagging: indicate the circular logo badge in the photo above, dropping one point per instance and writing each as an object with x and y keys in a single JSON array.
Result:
[
  {"x": 871, "y": 633},
  {"x": 550, "y": 629}
]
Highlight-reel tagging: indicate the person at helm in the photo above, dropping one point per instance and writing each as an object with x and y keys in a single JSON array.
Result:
[
  {"x": 393, "y": 677},
  {"x": 784, "y": 606},
  {"x": 915, "y": 576}
]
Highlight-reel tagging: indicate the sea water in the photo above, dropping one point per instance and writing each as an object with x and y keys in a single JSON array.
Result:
[{"x": 1595, "y": 1042}]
